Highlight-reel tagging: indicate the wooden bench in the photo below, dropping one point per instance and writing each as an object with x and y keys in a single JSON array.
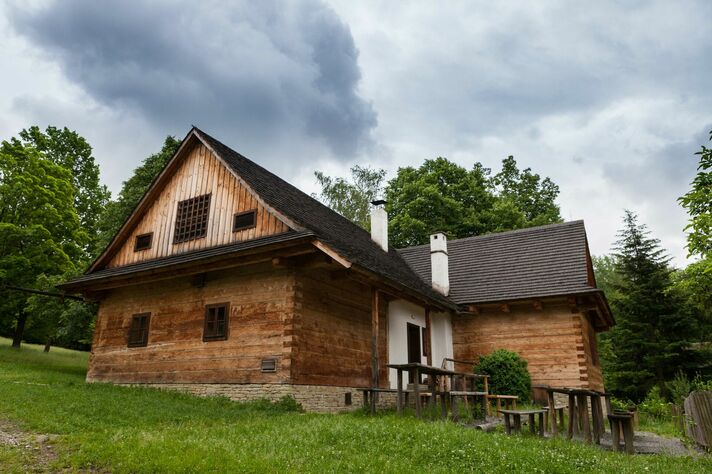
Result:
[
  {"x": 510, "y": 402},
  {"x": 369, "y": 400},
  {"x": 466, "y": 395},
  {"x": 517, "y": 415},
  {"x": 622, "y": 420}
]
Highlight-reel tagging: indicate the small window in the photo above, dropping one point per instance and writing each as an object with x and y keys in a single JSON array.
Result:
[
  {"x": 269, "y": 365},
  {"x": 244, "y": 220},
  {"x": 138, "y": 333},
  {"x": 143, "y": 242},
  {"x": 216, "y": 320},
  {"x": 347, "y": 399},
  {"x": 192, "y": 219}
]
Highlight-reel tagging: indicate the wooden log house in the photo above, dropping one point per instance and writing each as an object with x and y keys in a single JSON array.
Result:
[{"x": 226, "y": 279}]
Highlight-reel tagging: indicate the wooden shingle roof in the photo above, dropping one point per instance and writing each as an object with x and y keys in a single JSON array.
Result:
[
  {"x": 550, "y": 260},
  {"x": 347, "y": 238}
]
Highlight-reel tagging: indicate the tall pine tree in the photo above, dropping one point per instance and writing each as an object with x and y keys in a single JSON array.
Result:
[{"x": 654, "y": 332}]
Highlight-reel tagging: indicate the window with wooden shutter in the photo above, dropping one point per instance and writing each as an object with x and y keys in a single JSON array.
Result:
[
  {"x": 138, "y": 332},
  {"x": 143, "y": 242},
  {"x": 192, "y": 219},
  {"x": 216, "y": 322},
  {"x": 244, "y": 220}
]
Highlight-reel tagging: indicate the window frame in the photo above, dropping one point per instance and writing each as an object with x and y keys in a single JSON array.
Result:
[
  {"x": 150, "y": 242},
  {"x": 185, "y": 220},
  {"x": 235, "y": 228},
  {"x": 144, "y": 340},
  {"x": 216, "y": 337}
]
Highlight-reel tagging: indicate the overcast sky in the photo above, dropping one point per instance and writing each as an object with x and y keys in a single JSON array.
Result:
[{"x": 609, "y": 99}]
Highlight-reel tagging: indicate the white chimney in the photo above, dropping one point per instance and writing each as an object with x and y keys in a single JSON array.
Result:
[
  {"x": 439, "y": 263},
  {"x": 379, "y": 224}
]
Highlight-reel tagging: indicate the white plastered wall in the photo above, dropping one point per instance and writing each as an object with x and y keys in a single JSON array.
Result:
[{"x": 400, "y": 313}]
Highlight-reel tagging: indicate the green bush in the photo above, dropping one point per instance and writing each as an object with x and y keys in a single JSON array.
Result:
[
  {"x": 679, "y": 388},
  {"x": 654, "y": 404},
  {"x": 508, "y": 374}
]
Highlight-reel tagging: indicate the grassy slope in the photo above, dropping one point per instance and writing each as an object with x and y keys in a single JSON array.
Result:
[{"x": 140, "y": 430}]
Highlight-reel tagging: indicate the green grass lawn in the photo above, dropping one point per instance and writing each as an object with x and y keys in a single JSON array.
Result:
[{"x": 119, "y": 429}]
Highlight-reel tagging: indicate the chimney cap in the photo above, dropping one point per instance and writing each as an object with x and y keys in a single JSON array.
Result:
[{"x": 378, "y": 202}]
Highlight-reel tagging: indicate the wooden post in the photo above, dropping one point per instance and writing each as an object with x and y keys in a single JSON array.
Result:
[
  {"x": 573, "y": 422},
  {"x": 428, "y": 335},
  {"x": 552, "y": 412},
  {"x": 532, "y": 424},
  {"x": 374, "y": 337},
  {"x": 399, "y": 401},
  {"x": 416, "y": 391},
  {"x": 583, "y": 415},
  {"x": 374, "y": 345}
]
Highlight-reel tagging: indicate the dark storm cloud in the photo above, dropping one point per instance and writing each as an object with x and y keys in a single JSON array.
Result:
[{"x": 266, "y": 71}]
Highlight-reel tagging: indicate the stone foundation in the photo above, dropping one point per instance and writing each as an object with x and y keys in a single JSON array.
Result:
[{"x": 314, "y": 398}]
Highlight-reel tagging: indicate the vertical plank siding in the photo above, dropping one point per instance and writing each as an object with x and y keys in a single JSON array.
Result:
[
  {"x": 698, "y": 413},
  {"x": 260, "y": 298},
  {"x": 201, "y": 173},
  {"x": 333, "y": 332},
  {"x": 551, "y": 340}
]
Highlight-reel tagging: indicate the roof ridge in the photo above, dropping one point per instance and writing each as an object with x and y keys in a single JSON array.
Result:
[{"x": 505, "y": 233}]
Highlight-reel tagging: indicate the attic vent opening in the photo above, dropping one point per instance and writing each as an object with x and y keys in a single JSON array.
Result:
[
  {"x": 244, "y": 220},
  {"x": 143, "y": 242},
  {"x": 192, "y": 219},
  {"x": 269, "y": 365}
]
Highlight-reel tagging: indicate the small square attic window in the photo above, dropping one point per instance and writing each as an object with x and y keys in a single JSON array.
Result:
[
  {"x": 143, "y": 242},
  {"x": 244, "y": 220}
]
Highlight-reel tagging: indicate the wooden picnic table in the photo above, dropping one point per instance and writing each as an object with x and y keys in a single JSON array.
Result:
[
  {"x": 418, "y": 370},
  {"x": 578, "y": 411}
]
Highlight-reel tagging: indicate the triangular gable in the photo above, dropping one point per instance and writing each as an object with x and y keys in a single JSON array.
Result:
[{"x": 194, "y": 170}]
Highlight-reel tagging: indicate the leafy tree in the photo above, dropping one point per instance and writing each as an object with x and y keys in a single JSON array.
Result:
[
  {"x": 438, "y": 196},
  {"x": 68, "y": 149},
  {"x": 654, "y": 331},
  {"x": 40, "y": 232},
  {"x": 133, "y": 189},
  {"x": 443, "y": 196},
  {"x": 65, "y": 322},
  {"x": 352, "y": 199},
  {"x": 533, "y": 196},
  {"x": 698, "y": 202}
]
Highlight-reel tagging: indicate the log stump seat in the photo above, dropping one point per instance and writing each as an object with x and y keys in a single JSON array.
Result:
[{"x": 621, "y": 420}]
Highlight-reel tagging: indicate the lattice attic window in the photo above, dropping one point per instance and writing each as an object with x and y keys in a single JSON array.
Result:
[{"x": 192, "y": 219}]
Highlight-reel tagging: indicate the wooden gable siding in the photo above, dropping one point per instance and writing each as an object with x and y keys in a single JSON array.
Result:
[
  {"x": 332, "y": 332},
  {"x": 551, "y": 340},
  {"x": 261, "y": 299},
  {"x": 200, "y": 173}
]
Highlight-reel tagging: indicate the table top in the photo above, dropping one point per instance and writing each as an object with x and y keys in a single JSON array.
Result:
[
  {"x": 570, "y": 391},
  {"x": 422, "y": 368}
]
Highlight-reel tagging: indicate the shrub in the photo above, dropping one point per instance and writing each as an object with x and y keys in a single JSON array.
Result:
[
  {"x": 679, "y": 388},
  {"x": 654, "y": 404},
  {"x": 508, "y": 374}
]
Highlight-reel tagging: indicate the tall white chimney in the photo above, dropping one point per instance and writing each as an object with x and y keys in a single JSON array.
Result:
[
  {"x": 439, "y": 263},
  {"x": 379, "y": 224}
]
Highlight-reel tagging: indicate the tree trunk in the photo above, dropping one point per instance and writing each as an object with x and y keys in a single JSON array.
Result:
[
  {"x": 48, "y": 344},
  {"x": 19, "y": 330}
]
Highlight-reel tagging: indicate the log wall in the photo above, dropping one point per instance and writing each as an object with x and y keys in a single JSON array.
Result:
[
  {"x": 551, "y": 340},
  {"x": 332, "y": 332},
  {"x": 200, "y": 173},
  {"x": 261, "y": 301}
]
